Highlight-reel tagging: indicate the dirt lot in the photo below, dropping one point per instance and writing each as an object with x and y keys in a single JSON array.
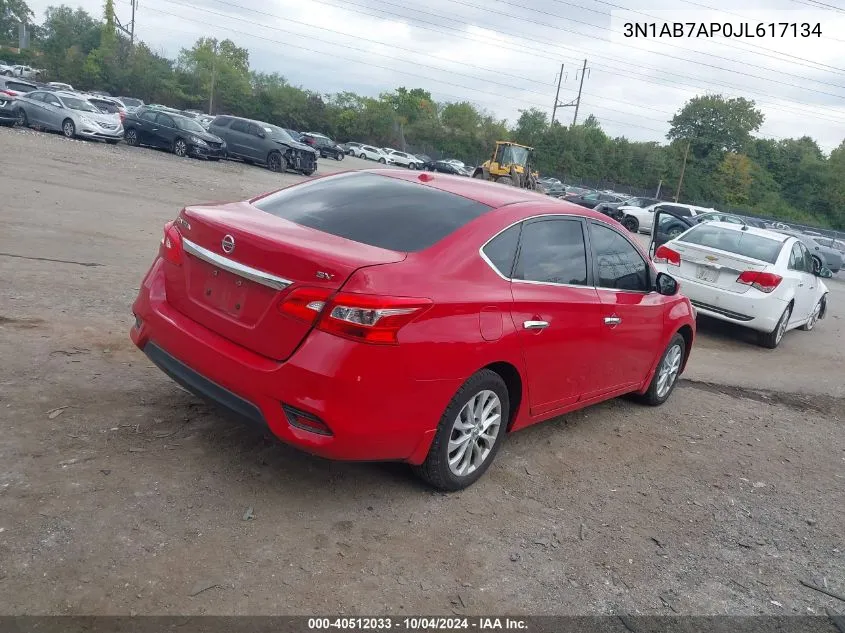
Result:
[{"x": 122, "y": 494}]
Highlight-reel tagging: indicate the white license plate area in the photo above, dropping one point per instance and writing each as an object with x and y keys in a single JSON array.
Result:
[{"x": 707, "y": 274}]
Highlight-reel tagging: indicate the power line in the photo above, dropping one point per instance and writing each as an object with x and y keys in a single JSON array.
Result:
[
  {"x": 802, "y": 110},
  {"x": 684, "y": 59},
  {"x": 821, "y": 5},
  {"x": 370, "y": 64}
]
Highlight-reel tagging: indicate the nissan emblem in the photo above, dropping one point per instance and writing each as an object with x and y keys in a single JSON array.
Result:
[{"x": 228, "y": 244}]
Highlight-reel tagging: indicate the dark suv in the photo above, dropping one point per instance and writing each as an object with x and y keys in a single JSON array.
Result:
[
  {"x": 263, "y": 143},
  {"x": 323, "y": 144}
]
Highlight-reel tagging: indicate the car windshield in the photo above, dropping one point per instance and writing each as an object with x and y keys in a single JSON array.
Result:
[
  {"x": 734, "y": 241},
  {"x": 132, "y": 103},
  {"x": 189, "y": 125},
  {"x": 277, "y": 133},
  {"x": 79, "y": 104}
]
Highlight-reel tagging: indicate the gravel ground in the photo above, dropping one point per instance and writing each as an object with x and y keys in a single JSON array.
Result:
[{"x": 122, "y": 494}]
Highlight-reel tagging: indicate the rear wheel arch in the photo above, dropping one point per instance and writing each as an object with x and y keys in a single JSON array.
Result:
[{"x": 513, "y": 381}]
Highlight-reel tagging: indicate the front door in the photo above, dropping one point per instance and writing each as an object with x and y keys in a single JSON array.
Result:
[
  {"x": 146, "y": 122},
  {"x": 556, "y": 312},
  {"x": 632, "y": 311},
  {"x": 53, "y": 113}
]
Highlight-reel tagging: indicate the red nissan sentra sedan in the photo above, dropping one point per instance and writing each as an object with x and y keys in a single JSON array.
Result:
[{"x": 391, "y": 315}]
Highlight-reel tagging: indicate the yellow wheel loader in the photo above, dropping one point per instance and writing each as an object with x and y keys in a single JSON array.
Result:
[{"x": 511, "y": 164}]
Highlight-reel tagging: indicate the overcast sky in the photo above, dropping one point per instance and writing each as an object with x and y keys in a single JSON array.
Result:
[{"x": 504, "y": 55}]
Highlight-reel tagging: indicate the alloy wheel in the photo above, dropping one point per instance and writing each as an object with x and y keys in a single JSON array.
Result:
[
  {"x": 474, "y": 433},
  {"x": 180, "y": 148},
  {"x": 132, "y": 138},
  {"x": 669, "y": 368},
  {"x": 22, "y": 120},
  {"x": 811, "y": 323},
  {"x": 68, "y": 128},
  {"x": 782, "y": 326}
]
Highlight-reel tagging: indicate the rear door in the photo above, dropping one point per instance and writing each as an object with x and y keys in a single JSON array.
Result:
[
  {"x": 144, "y": 124},
  {"x": 556, "y": 312},
  {"x": 255, "y": 146},
  {"x": 632, "y": 312},
  {"x": 242, "y": 260},
  {"x": 33, "y": 106}
]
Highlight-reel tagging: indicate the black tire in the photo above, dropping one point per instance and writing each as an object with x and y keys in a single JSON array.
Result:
[
  {"x": 817, "y": 263},
  {"x": 772, "y": 339},
  {"x": 383, "y": 161},
  {"x": 412, "y": 165},
  {"x": 131, "y": 137},
  {"x": 180, "y": 147},
  {"x": 339, "y": 156},
  {"x": 505, "y": 180},
  {"x": 276, "y": 162},
  {"x": 68, "y": 128},
  {"x": 656, "y": 395},
  {"x": 23, "y": 120},
  {"x": 435, "y": 470},
  {"x": 631, "y": 223},
  {"x": 674, "y": 232},
  {"x": 308, "y": 172},
  {"x": 362, "y": 156}
]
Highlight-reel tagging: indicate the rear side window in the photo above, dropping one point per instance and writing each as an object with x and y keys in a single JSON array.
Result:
[
  {"x": 737, "y": 242},
  {"x": 501, "y": 250},
  {"x": 376, "y": 210},
  {"x": 553, "y": 251},
  {"x": 221, "y": 121}
]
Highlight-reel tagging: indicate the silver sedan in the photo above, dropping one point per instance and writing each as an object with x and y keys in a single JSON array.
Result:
[{"x": 68, "y": 113}]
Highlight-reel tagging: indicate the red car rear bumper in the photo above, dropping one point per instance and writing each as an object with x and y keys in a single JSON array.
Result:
[{"x": 362, "y": 392}]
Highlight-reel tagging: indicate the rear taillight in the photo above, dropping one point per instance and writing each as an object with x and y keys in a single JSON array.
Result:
[
  {"x": 665, "y": 255},
  {"x": 366, "y": 318},
  {"x": 171, "y": 245},
  {"x": 370, "y": 318},
  {"x": 764, "y": 282},
  {"x": 11, "y": 93},
  {"x": 305, "y": 304}
]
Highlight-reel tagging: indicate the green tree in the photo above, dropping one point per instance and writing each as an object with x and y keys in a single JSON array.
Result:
[
  {"x": 735, "y": 177},
  {"x": 217, "y": 73},
  {"x": 531, "y": 126},
  {"x": 12, "y": 13},
  {"x": 713, "y": 123}
]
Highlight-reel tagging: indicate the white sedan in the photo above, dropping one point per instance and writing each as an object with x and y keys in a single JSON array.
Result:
[
  {"x": 752, "y": 277},
  {"x": 406, "y": 160},
  {"x": 637, "y": 219},
  {"x": 374, "y": 153}
]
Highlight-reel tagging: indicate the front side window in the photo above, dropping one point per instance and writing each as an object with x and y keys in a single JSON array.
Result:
[
  {"x": 553, "y": 251},
  {"x": 165, "y": 120},
  {"x": 618, "y": 264}
]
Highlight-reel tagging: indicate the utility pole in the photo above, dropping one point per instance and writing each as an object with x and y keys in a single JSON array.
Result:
[
  {"x": 558, "y": 104},
  {"x": 683, "y": 169},
  {"x": 213, "y": 77},
  {"x": 557, "y": 94},
  {"x": 130, "y": 31},
  {"x": 580, "y": 88},
  {"x": 659, "y": 185}
]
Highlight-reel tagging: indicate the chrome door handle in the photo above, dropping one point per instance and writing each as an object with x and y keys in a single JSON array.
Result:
[
  {"x": 535, "y": 325},
  {"x": 612, "y": 321},
  {"x": 801, "y": 285}
]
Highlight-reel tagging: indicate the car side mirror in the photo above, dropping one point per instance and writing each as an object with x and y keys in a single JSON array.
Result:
[
  {"x": 666, "y": 285},
  {"x": 261, "y": 134},
  {"x": 824, "y": 273}
]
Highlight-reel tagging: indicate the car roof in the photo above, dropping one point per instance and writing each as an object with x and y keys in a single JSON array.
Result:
[{"x": 489, "y": 193}]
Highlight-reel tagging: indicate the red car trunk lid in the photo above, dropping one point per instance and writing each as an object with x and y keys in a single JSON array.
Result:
[{"x": 239, "y": 263}]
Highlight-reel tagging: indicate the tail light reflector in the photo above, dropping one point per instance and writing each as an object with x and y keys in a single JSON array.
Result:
[
  {"x": 764, "y": 282},
  {"x": 306, "y": 421},
  {"x": 370, "y": 318},
  {"x": 171, "y": 245},
  {"x": 305, "y": 304},
  {"x": 665, "y": 255}
]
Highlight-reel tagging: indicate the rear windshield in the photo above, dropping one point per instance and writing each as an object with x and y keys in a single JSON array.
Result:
[
  {"x": 742, "y": 243},
  {"x": 375, "y": 210}
]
